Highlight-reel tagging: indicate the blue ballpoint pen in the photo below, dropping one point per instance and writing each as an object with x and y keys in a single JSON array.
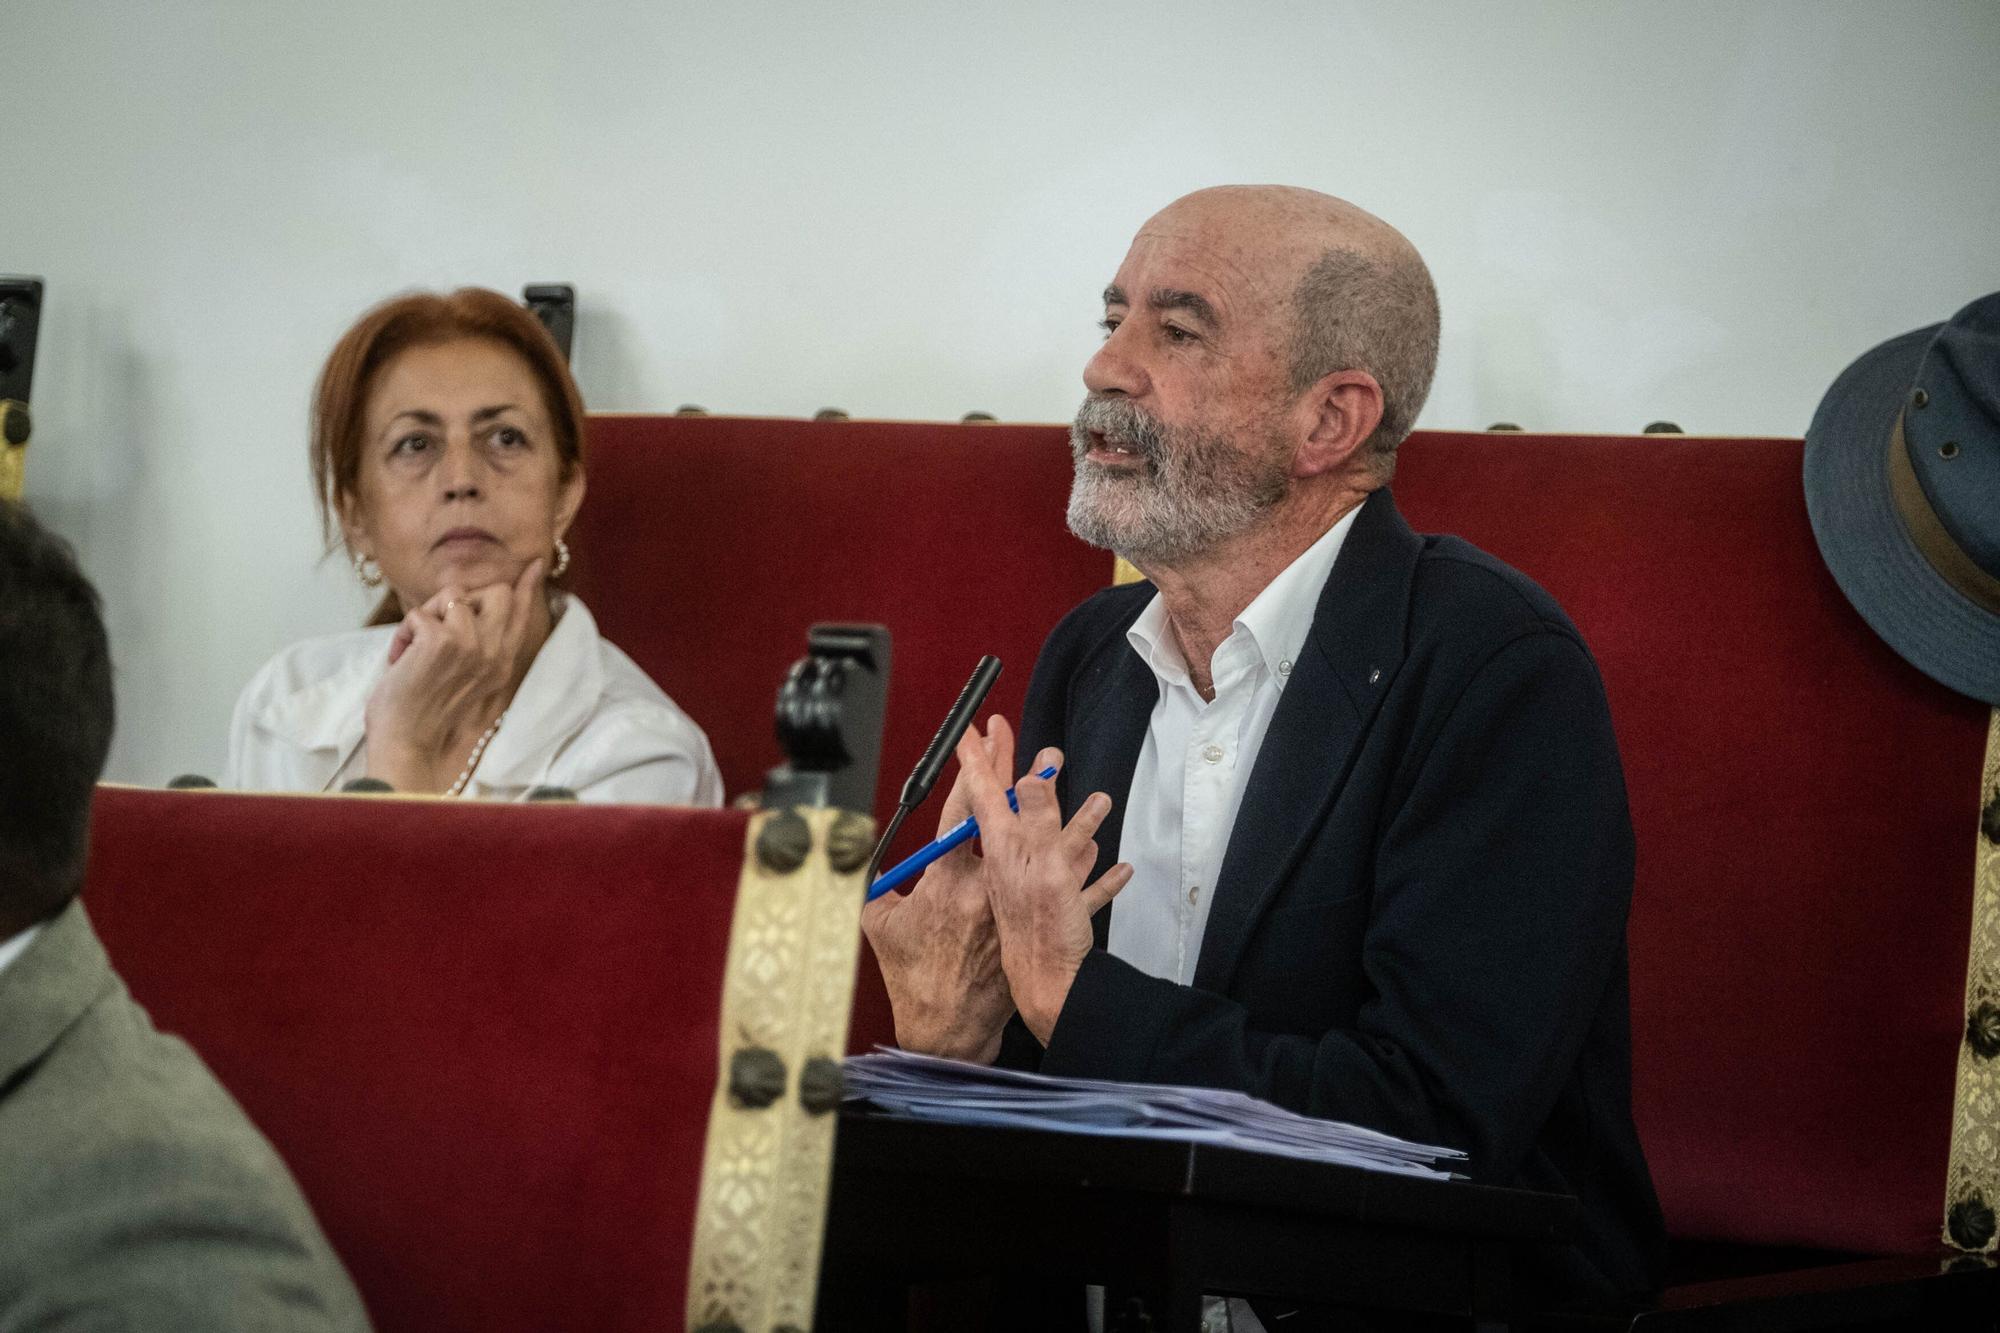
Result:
[{"x": 957, "y": 835}]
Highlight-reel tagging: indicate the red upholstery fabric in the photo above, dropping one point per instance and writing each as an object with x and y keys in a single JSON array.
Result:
[
  {"x": 484, "y": 1037},
  {"x": 1806, "y": 807},
  {"x": 709, "y": 544}
]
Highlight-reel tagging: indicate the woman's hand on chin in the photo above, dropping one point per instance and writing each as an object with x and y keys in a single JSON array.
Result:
[{"x": 454, "y": 664}]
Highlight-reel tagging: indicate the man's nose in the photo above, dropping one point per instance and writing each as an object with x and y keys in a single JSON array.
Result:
[
  {"x": 1111, "y": 370},
  {"x": 460, "y": 470}
]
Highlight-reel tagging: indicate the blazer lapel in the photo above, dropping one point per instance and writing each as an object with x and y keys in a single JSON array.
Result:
[
  {"x": 1114, "y": 700},
  {"x": 1357, "y": 644}
]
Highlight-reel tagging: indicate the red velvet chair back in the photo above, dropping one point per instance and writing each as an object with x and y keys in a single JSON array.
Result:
[
  {"x": 1806, "y": 805},
  {"x": 709, "y": 544},
  {"x": 483, "y": 1036}
]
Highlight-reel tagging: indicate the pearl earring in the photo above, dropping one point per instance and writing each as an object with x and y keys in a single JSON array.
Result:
[
  {"x": 562, "y": 559},
  {"x": 367, "y": 571}
]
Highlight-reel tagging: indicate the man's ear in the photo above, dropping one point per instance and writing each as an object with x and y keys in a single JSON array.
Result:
[
  {"x": 568, "y": 501},
  {"x": 1341, "y": 410}
]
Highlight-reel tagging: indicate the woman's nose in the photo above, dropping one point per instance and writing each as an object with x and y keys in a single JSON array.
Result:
[{"x": 460, "y": 471}]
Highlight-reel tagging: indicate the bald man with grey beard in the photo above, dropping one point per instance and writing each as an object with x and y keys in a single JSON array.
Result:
[{"x": 1354, "y": 789}]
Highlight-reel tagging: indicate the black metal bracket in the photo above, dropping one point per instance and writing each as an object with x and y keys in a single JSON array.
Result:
[{"x": 829, "y": 720}]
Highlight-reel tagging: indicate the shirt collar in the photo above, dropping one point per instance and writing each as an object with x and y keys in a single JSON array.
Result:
[
  {"x": 1279, "y": 618},
  {"x": 556, "y": 697},
  {"x": 1276, "y": 622},
  {"x": 16, "y": 945}
]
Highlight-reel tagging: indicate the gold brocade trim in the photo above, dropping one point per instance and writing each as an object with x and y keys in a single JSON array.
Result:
[
  {"x": 793, "y": 946},
  {"x": 13, "y": 469},
  {"x": 1972, "y": 1183}
]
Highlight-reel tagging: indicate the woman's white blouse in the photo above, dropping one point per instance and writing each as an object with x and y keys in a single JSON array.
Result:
[{"x": 586, "y": 718}]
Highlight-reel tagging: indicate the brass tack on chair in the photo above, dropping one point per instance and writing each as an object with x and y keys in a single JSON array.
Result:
[
  {"x": 1503, "y": 425},
  {"x": 820, "y": 1085},
  {"x": 1970, "y": 1223},
  {"x": 849, "y": 842},
  {"x": 690, "y": 410},
  {"x": 1662, "y": 428},
  {"x": 783, "y": 842},
  {"x": 1982, "y": 1030},
  {"x": 978, "y": 416},
  {"x": 831, "y": 414},
  {"x": 756, "y": 1078}
]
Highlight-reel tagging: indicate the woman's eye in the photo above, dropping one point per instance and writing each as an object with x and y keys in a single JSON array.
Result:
[
  {"x": 510, "y": 437},
  {"x": 411, "y": 444}
]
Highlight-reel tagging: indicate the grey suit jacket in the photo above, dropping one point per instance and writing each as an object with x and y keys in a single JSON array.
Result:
[{"x": 134, "y": 1192}]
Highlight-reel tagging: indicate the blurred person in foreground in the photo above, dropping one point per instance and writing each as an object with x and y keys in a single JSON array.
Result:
[
  {"x": 134, "y": 1193},
  {"x": 447, "y": 449},
  {"x": 1354, "y": 788}
]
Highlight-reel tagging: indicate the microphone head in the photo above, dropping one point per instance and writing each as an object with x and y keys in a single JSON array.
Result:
[
  {"x": 190, "y": 782},
  {"x": 366, "y": 785},
  {"x": 932, "y": 764},
  {"x": 551, "y": 794}
]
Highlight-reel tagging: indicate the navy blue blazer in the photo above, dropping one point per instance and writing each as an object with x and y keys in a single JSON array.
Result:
[{"x": 1419, "y": 924}]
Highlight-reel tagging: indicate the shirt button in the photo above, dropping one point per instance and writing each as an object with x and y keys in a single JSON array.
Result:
[
  {"x": 1212, "y": 753},
  {"x": 1194, "y": 894},
  {"x": 1285, "y": 668}
]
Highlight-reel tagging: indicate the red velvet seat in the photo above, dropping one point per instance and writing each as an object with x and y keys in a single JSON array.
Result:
[
  {"x": 483, "y": 1036},
  {"x": 1806, "y": 805}
]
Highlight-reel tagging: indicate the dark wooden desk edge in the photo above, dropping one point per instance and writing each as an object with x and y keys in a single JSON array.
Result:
[{"x": 894, "y": 1145}]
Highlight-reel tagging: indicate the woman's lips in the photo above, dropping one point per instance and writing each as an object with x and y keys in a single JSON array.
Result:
[{"x": 464, "y": 537}]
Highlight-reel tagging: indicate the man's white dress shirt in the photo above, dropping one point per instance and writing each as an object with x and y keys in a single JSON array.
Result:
[
  {"x": 1193, "y": 769},
  {"x": 1197, "y": 758},
  {"x": 585, "y": 717}
]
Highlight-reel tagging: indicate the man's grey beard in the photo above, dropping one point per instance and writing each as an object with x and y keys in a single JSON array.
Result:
[{"x": 1189, "y": 493}]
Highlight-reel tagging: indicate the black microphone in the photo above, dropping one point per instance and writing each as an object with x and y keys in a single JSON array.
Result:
[
  {"x": 190, "y": 782},
  {"x": 928, "y": 768},
  {"x": 364, "y": 786}
]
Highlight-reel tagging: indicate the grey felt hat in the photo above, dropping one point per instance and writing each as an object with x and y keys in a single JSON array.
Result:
[{"x": 1903, "y": 486}]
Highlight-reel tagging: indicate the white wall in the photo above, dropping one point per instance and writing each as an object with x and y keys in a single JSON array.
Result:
[{"x": 1699, "y": 211}]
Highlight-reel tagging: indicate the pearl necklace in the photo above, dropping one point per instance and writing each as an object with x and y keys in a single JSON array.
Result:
[{"x": 472, "y": 761}]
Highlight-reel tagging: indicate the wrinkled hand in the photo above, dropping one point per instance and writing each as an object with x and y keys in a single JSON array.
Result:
[
  {"x": 939, "y": 955},
  {"x": 449, "y": 660},
  {"x": 1033, "y": 867}
]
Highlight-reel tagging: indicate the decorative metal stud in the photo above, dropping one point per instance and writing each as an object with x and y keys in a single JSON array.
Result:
[
  {"x": 1920, "y": 399},
  {"x": 1982, "y": 1030},
  {"x": 1970, "y": 1223},
  {"x": 784, "y": 842},
  {"x": 849, "y": 843},
  {"x": 1374, "y": 675},
  {"x": 756, "y": 1078},
  {"x": 819, "y": 1085}
]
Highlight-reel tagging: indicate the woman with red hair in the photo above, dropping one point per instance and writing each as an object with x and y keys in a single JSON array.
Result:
[{"x": 447, "y": 451}]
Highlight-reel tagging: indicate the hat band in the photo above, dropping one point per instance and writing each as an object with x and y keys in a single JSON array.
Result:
[{"x": 1951, "y": 562}]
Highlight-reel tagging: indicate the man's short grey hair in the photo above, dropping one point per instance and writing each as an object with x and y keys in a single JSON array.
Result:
[{"x": 1359, "y": 311}]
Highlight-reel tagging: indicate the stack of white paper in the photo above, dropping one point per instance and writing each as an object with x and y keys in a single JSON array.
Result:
[{"x": 960, "y": 1093}]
